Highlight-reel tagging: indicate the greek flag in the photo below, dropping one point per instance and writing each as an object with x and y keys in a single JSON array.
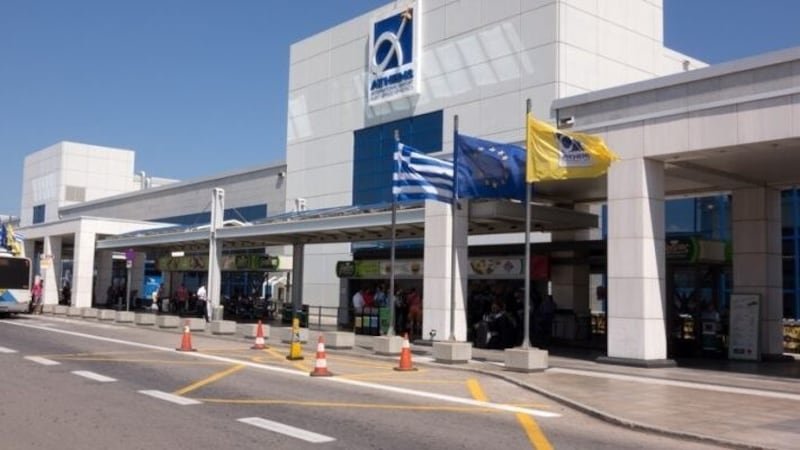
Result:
[{"x": 418, "y": 176}]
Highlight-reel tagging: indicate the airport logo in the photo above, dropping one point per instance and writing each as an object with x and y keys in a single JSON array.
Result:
[
  {"x": 572, "y": 152},
  {"x": 393, "y": 70}
]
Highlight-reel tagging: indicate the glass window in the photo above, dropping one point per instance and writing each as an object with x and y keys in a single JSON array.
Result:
[
  {"x": 373, "y": 153},
  {"x": 38, "y": 213},
  {"x": 680, "y": 215}
]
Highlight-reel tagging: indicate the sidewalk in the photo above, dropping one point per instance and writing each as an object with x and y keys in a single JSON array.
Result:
[{"x": 729, "y": 403}]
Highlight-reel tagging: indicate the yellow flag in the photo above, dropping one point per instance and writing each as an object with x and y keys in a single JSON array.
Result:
[
  {"x": 13, "y": 243},
  {"x": 558, "y": 155}
]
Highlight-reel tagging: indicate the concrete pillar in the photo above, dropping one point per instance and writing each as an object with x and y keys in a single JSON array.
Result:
[
  {"x": 104, "y": 278},
  {"x": 137, "y": 274},
  {"x": 52, "y": 275},
  {"x": 636, "y": 263},
  {"x": 215, "y": 250},
  {"x": 83, "y": 268},
  {"x": 436, "y": 289},
  {"x": 757, "y": 263}
]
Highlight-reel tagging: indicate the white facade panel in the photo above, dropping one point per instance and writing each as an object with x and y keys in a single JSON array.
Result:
[
  {"x": 766, "y": 120},
  {"x": 538, "y": 25},
  {"x": 462, "y": 17},
  {"x": 713, "y": 128},
  {"x": 581, "y": 29}
]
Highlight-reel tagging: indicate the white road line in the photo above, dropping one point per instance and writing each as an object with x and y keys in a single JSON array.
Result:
[
  {"x": 287, "y": 371},
  {"x": 7, "y": 350},
  {"x": 684, "y": 384},
  {"x": 183, "y": 401},
  {"x": 299, "y": 433},
  {"x": 42, "y": 361},
  {"x": 94, "y": 376}
]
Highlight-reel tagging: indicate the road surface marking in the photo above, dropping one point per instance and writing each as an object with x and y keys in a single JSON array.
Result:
[
  {"x": 476, "y": 390},
  {"x": 684, "y": 384},
  {"x": 532, "y": 430},
  {"x": 288, "y": 430},
  {"x": 535, "y": 435},
  {"x": 42, "y": 361},
  {"x": 183, "y": 401},
  {"x": 94, "y": 376},
  {"x": 210, "y": 379},
  {"x": 305, "y": 373},
  {"x": 7, "y": 350}
]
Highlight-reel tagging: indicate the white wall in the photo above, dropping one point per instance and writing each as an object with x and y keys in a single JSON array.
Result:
[
  {"x": 99, "y": 171},
  {"x": 481, "y": 59}
]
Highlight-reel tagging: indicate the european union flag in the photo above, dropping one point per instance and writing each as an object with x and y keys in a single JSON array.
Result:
[{"x": 487, "y": 169}]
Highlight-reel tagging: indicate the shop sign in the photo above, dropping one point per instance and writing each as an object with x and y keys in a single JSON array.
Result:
[
  {"x": 691, "y": 249},
  {"x": 394, "y": 56},
  {"x": 481, "y": 267},
  {"x": 199, "y": 263},
  {"x": 378, "y": 268},
  {"x": 681, "y": 249},
  {"x": 496, "y": 267}
]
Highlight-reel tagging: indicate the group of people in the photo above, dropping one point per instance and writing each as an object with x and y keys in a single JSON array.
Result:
[
  {"x": 496, "y": 314},
  {"x": 184, "y": 302},
  {"x": 407, "y": 306}
]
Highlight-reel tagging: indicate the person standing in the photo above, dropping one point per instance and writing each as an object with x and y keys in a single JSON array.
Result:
[
  {"x": 202, "y": 300},
  {"x": 36, "y": 296},
  {"x": 182, "y": 297},
  {"x": 414, "y": 303}
]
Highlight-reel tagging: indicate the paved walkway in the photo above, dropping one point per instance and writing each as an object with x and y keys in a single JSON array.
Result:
[{"x": 732, "y": 404}]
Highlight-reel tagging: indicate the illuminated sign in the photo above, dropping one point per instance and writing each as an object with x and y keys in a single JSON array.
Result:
[{"x": 394, "y": 56}]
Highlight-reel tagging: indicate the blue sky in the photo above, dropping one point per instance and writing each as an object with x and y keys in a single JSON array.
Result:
[{"x": 199, "y": 86}]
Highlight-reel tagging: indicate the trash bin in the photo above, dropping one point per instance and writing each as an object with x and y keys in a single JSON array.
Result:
[{"x": 288, "y": 314}]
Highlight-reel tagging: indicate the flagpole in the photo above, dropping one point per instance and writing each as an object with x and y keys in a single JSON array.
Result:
[
  {"x": 526, "y": 340},
  {"x": 453, "y": 208},
  {"x": 391, "y": 331}
]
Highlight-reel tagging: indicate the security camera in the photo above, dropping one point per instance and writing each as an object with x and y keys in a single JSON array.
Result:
[
  {"x": 567, "y": 121},
  {"x": 281, "y": 174}
]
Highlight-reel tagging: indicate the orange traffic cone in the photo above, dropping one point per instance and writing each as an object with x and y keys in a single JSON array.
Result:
[
  {"x": 186, "y": 342},
  {"x": 405, "y": 356},
  {"x": 259, "y": 345},
  {"x": 321, "y": 365}
]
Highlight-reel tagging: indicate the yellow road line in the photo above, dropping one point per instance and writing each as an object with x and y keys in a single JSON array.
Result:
[
  {"x": 296, "y": 364},
  {"x": 535, "y": 435},
  {"x": 211, "y": 379},
  {"x": 349, "y": 405},
  {"x": 476, "y": 390},
  {"x": 532, "y": 430}
]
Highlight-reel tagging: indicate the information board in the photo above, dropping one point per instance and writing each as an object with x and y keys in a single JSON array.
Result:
[{"x": 744, "y": 326}]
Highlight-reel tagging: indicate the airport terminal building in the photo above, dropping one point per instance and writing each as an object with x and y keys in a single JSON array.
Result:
[{"x": 699, "y": 213}]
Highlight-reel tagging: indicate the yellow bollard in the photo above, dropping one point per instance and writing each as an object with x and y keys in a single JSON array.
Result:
[{"x": 295, "y": 348}]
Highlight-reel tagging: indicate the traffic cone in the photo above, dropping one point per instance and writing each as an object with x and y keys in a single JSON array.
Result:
[
  {"x": 405, "y": 357},
  {"x": 295, "y": 348},
  {"x": 321, "y": 365},
  {"x": 186, "y": 342},
  {"x": 259, "y": 345}
]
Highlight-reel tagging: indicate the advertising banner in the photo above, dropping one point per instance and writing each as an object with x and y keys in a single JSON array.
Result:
[{"x": 744, "y": 326}]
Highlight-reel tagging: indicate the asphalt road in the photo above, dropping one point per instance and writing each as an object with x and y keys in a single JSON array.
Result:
[{"x": 80, "y": 384}]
